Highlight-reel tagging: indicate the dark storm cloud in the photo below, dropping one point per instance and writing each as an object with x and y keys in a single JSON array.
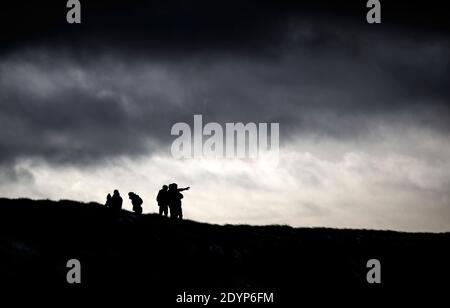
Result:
[
  {"x": 178, "y": 27},
  {"x": 117, "y": 83},
  {"x": 71, "y": 112}
]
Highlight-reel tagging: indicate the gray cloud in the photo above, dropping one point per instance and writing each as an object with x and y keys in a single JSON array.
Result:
[
  {"x": 65, "y": 108},
  {"x": 15, "y": 175}
]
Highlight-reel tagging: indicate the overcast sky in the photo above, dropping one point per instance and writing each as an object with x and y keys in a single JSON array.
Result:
[{"x": 363, "y": 109}]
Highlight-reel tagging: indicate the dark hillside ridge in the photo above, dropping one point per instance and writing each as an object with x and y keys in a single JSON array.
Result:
[{"x": 152, "y": 256}]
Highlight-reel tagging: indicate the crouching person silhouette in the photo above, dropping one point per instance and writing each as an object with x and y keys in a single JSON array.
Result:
[
  {"x": 136, "y": 201},
  {"x": 176, "y": 212},
  {"x": 163, "y": 200}
]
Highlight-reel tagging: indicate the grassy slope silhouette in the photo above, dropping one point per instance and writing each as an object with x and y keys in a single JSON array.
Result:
[{"x": 157, "y": 257}]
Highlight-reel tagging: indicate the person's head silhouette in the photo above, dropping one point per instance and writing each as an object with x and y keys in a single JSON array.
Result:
[
  {"x": 116, "y": 192},
  {"x": 164, "y": 187}
]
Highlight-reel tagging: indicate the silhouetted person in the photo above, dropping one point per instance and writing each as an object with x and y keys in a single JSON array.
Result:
[
  {"x": 108, "y": 203},
  {"x": 117, "y": 201},
  {"x": 163, "y": 200},
  {"x": 176, "y": 212},
  {"x": 136, "y": 201}
]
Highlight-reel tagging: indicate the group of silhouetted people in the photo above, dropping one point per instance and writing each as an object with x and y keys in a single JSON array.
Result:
[
  {"x": 115, "y": 202},
  {"x": 169, "y": 198}
]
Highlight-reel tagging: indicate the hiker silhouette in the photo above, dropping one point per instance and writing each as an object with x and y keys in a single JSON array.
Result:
[
  {"x": 108, "y": 203},
  {"x": 163, "y": 200},
  {"x": 116, "y": 201},
  {"x": 136, "y": 201},
  {"x": 176, "y": 211}
]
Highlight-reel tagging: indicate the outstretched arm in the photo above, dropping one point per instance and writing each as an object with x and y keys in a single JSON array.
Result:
[{"x": 181, "y": 189}]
